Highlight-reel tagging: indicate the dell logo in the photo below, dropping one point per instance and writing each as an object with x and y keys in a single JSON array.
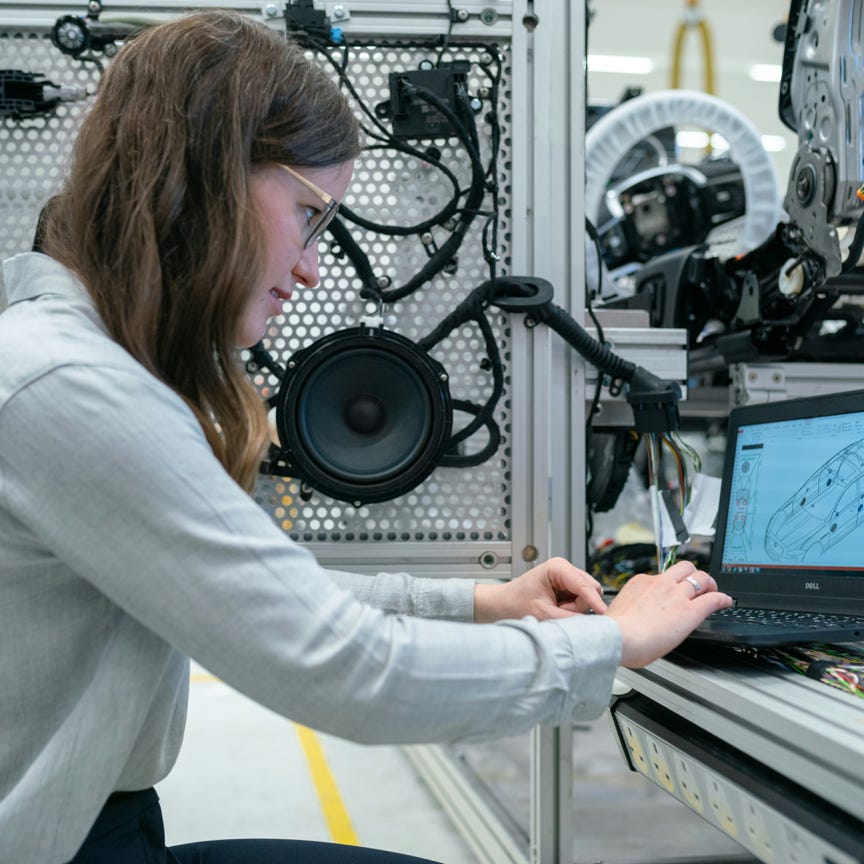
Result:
[{"x": 811, "y": 586}]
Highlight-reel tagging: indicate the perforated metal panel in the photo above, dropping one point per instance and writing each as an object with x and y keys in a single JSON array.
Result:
[
  {"x": 391, "y": 188},
  {"x": 454, "y": 505},
  {"x": 33, "y": 151}
]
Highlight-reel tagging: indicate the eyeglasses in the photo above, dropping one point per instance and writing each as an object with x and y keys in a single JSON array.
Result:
[{"x": 318, "y": 223}]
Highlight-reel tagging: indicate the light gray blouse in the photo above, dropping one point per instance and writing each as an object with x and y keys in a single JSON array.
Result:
[{"x": 125, "y": 549}]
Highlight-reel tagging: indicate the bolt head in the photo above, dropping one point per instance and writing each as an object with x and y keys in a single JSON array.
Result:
[
  {"x": 488, "y": 560},
  {"x": 530, "y": 553},
  {"x": 805, "y": 185}
]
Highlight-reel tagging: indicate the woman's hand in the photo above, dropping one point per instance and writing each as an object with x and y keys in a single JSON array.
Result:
[
  {"x": 657, "y": 612},
  {"x": 554, "y": 589}
]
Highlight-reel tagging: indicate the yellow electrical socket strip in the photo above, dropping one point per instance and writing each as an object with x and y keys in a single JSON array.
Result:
[
  {"x": 756, "y": 834},
  {"x": 660, "y": 764},
  {"x": 689, "y": 784},
  {"x": 636, "y": 748},
  {"x": 721, "y": 810}
]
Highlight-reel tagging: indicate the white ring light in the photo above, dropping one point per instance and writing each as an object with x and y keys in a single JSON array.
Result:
[{"x": 610, "y": 138}]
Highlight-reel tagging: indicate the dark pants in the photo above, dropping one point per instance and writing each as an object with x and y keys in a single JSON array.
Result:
[{"x": 129, "y": 831}]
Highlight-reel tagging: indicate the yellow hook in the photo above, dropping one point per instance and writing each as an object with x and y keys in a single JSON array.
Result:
[{"x": 693, "y": 20}]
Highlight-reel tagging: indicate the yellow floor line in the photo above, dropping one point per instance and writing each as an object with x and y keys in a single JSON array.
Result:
[{"x": 335, "y": 814}]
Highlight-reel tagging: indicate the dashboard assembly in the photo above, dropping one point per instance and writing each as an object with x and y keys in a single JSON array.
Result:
[{"x": 780, "y": 299}]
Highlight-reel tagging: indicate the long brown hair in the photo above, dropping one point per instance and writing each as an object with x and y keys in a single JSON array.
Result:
[{"x": 156, "y": 216}]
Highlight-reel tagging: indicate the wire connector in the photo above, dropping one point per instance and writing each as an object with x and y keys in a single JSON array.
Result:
[
  {"x": 28, "y": 94},
  {"x": 304, "y": 20},
  {"x": 654, "y": 402}
]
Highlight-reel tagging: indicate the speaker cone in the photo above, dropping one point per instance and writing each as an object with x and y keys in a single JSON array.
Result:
[{"x": 363, "y": 415}]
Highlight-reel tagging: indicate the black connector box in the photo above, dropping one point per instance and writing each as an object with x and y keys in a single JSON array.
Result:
[
  {"x": 654, "y": 402},
  {"x": 302, "y": 19},
  {"x": 414, "y": 117}
]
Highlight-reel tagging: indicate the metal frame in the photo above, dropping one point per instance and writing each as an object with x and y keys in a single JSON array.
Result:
[
  {"x": 470, "y": 560},
  {"x": 558, "y": 171},
  {"x": 480, "y": 822},
  {"x": 485, "y": 18},
  {"x": 772, "y": 382},
  {"x": 664, "y": 352}
]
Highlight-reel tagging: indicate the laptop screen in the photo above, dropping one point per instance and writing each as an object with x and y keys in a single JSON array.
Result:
[{"x": 791, "y": 518}]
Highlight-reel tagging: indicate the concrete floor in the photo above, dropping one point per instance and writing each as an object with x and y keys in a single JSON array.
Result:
[
  {"x": 245, "y": 772},
  {"x": 619, "y": 817}
]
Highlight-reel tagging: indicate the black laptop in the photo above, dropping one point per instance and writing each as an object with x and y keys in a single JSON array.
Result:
[{"x": 789, "y": 542}]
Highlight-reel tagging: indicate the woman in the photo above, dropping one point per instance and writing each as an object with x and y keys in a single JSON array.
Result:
[{"x": 209, "y": 164}]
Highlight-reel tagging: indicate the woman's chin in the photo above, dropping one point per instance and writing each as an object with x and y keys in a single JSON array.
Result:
[{"x": 250, "y": 336}]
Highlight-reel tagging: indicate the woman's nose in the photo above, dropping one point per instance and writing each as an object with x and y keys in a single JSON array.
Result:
[{"x": 306, "y": 269}]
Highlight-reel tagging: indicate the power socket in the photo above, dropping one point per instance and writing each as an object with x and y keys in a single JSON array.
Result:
[
  {"x": 719, "y": 805},
  {"x": 660, "y": 764},
  {"x": 688, "y": 781},
  {"x": 798, "y": 849},
  {"x": 827, "y": 853},
  {"x": 802, "y": 847},
  {"x": 757, "y": 835},
  {"x": 636, "y": 746}
]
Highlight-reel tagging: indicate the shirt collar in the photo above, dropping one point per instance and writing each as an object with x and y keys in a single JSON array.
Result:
[{"x": 33, "y": 274}]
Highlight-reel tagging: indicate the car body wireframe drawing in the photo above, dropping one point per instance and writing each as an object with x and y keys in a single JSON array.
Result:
[
  {"x": 827, "y": 507},
  {"x": 745, "y": 496}
]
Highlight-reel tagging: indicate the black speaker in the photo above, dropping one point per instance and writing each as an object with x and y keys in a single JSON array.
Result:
[{"x": 362, "y": 415}]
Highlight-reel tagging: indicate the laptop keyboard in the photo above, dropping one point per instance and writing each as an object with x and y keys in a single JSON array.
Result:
[{"x": 784, "y": 618}]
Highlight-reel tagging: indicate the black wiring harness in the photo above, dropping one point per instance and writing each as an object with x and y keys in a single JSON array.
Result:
[
  {"x": 456, "y": 216},
  {"x": 465, "y": 205},
  {"x": 654, "y": 402}
]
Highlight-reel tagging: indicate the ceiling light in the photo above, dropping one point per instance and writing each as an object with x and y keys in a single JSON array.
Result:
[
  {"x": 694, "y": 139},
  {"x": 766, "y": 72},
  {"x": 617, "y": 64},
  {"x": 774, "y": 143}
]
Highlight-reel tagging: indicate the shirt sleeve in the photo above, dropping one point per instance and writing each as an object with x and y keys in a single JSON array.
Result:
[
  {"x": 110, "y": 472},
  {"x": 449, "y": 599}
]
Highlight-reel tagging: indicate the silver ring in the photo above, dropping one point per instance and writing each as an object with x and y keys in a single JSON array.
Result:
[{"x": 693, "y": 582}]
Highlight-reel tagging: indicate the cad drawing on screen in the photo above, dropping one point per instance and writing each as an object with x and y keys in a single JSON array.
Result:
[{"x": 826, "y": 508}]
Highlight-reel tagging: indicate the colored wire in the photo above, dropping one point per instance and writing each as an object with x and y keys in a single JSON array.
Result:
[
  {"x": 837, "y": 667},
  {"x": 665, "y": 554}
]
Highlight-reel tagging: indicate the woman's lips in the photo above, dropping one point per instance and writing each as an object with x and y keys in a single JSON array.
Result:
[
  {"x": 283, "y": 296},
  {"x": 280, "y": 297}
]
